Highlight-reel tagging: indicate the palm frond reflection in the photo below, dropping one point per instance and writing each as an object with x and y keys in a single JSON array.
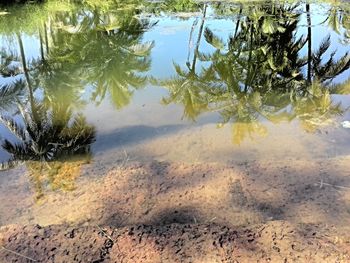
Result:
[{"x": 259, "y": 74}]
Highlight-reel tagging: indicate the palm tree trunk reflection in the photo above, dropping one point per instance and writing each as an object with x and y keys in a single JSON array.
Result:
[
  {"x": 200, "y": 33},
  {"x": 309, "y": 44}
]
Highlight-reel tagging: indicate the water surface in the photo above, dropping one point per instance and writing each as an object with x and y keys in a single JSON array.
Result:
[{"x": 89, "y": 89}]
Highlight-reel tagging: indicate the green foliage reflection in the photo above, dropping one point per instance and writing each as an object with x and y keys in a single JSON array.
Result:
[{"x": 259, "y": 73}]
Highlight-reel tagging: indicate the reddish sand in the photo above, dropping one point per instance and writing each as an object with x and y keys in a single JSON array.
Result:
[
  {"x": 287, "y": 211},
  {"x": 275, "y": 241}
]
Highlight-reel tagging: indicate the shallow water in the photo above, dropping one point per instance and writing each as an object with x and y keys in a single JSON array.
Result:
[{"x": 89, "y": 90}]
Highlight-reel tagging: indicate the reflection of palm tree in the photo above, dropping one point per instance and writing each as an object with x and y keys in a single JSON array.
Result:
[
  {"x": 51, "y": 137},
  {"x": 276, "y": 75},
  {"x": 48, "y": 136},
  {"x": 174, "y": 6},
  {"x": 258, "y": 74},
  {"x": 10, "y": 95},
  {"x": 338, "y": 20},
  {"x": 85, "y": 49},
  {"x": 13, "y": 90},
  {"x": 122, "y": 61},
  {"x": 58, "y": 175},
  {"x": 256, "y": 63},
  {"x": 91, "y": 46},
  {"x": 328, "y": 70},
  {"x": 316, "y": 108},
  {"x": 309, "y": 43},
  {"x": 110, "y": 60},
  {"x": 47, "y": 132},
  {"x": 188, "y": 87}
]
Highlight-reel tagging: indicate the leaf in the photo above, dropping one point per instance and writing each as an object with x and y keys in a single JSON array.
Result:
[
  {"x": 256, "y": 100},
  {"x": 213, "y": 40},
  {"x": 343, "y": 88},
  {"x": 141, "y": 49},
  {"x": 268, "y": 26},
  {"x": 10, "y": 92},
  {"x": 4, "y": 166},
  {"x": 333, "y": 21},
  {"x": 265, "y": 49},
  {"x": 204, "y": 57},
  {"x": 271, "y": 63},
  {"x": 281, "y": 29},
  {"x": 14, "y": 127},
  {"x": 179, "y": 71},
  {"x": 241, "y": 130}
]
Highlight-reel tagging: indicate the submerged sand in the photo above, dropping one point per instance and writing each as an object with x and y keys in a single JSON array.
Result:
[{"x": 259, "y": 211}]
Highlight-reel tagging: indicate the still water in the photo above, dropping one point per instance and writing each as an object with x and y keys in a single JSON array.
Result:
[{"x": 88, "y": 91}]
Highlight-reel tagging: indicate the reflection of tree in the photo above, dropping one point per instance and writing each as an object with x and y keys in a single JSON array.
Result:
[
  {"x": 187, "y": 88},
  {"x": 111, "y": 60},
  {"x": 174, "y": 7},
  {"x": 98, "y": 43},
  {"x": 9, "y": 94},
  {"x": 58, "y": 175},
  {"x": 338, "y": 19},
  {"x": 316, "y": 108},
  {"x": 13, "y": 88},
  {"x": 328, "y": 70},
  {"x": 46, "y": 137},
  {"x": 48, "y": 134},
  {"x": 109, "y": 74},
  {"x": 46, "y": 131},
  {"x": 258, "y": 74},
  {"x": 83, "y": 50},
  {"x": 8, "y": 2},
  {"x": 180, "y": 5}
]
